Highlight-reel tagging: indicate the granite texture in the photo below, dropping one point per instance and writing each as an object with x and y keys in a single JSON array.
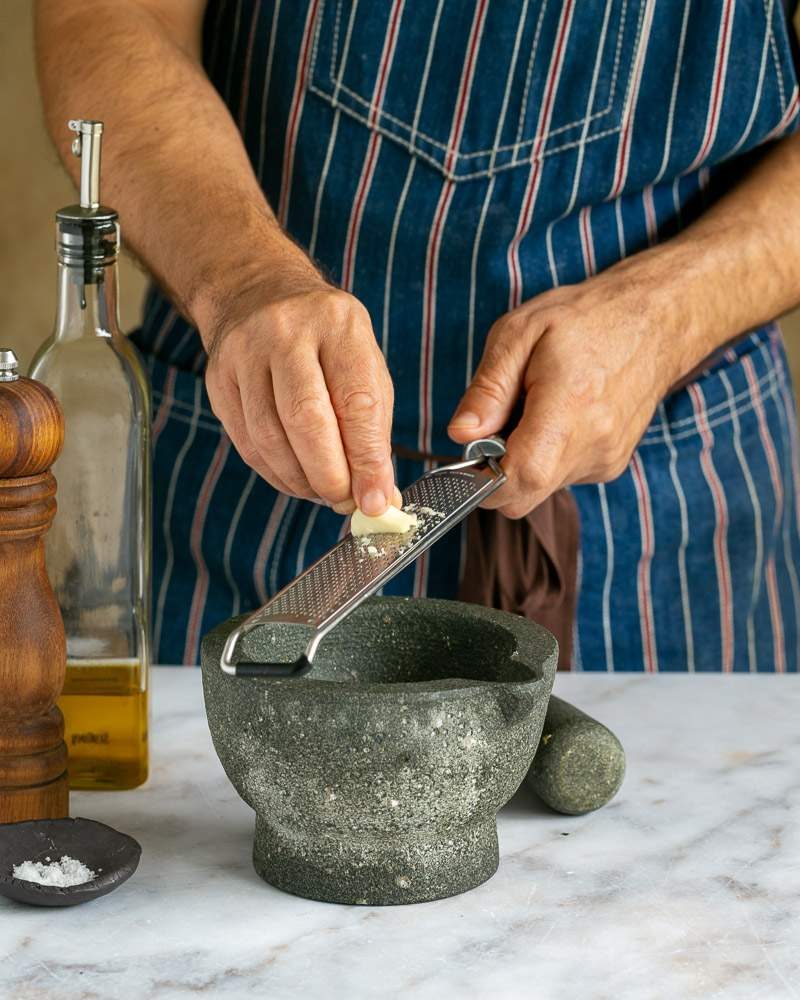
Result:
[
  {"x": 685, "y": 886},
  {"x": 580, "y": 763},
  {"x": 377, "y": 777}
]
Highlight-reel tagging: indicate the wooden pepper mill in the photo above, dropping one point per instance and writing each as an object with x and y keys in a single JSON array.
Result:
[{"x": 33, "y": 755}]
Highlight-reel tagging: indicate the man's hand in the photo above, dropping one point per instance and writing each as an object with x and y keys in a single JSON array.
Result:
[
  {"x": 301, "y": 387},
  {"x": 592, "y": 361}
]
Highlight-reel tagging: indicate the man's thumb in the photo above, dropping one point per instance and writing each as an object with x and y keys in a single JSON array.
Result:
[{"x": 487, "y": 404}]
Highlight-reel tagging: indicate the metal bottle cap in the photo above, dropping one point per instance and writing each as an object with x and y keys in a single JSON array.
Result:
[{"x": 8, "y": 365}]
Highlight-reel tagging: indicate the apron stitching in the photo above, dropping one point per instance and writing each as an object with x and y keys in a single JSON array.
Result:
[
  {"x": 451, "y": 174},
  {"x": 769, "y": 12},
  {"x": 632, "y": 100},
  {"x": 774, "y": 387},
  {"x": 769, "y": 376},
  {"x": 507, "y": 89},
  {"x": 335, "y": 47},
  {"x": 526, "y": 88},
  {"x": 515, "y": 147}
]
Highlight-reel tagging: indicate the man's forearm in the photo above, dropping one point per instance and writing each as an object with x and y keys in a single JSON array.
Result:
[
  {"x": 174, "y": 164},
  {"x": 736, "y": 267}
]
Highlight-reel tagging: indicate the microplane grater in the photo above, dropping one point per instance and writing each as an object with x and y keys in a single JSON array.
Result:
[{"x": 325, "y": 593}]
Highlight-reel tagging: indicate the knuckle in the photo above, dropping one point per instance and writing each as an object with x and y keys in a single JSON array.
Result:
[
  {"x": 534, "y": 475},
  {"x": 510, "y": 326},
  {"x": 342, "y": 307},
  {"x": 299, "y": 488},
  {"x": 307, "y": 414},
  {"x": 605, "y": 427},
  {"x": 360, "y": 405},
  {"x": 265, "y": 432},
  {"x": 249, "y": 455},
  {"x": 491, "y": 384}
]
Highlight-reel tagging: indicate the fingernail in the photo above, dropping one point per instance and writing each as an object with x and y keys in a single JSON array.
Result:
[
  {"x": 374, "y": 503},
  {"x": 465, "y": 419}
]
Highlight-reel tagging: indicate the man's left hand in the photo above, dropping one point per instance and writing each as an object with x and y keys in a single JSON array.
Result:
[{"x": 592, "y": 361}]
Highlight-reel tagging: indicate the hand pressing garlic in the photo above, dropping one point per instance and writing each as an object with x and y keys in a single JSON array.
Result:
[{"x": 393, "y": 521}]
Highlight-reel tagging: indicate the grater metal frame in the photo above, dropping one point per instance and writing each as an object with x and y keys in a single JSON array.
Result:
[{"x": 475, "y": 477}]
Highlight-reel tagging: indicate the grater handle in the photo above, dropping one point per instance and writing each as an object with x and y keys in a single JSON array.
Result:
[
  {"x": 300, "y": 666},
  {"x": 293, "y": 668}
]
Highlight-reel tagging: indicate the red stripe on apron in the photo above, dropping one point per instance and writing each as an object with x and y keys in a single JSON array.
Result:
[
  {"x": 720, "y": 71},
  {"x": 365, "y": 181},
  {"x": 195, "y": 546},
  {"x": 294, "y": 113},
  {"x": 532, "y": 189}
]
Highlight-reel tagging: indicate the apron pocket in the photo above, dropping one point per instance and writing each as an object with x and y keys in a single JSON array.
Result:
[{"x": 474, "y": 88}]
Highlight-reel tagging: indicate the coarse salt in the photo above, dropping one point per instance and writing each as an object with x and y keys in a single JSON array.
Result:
[{"x": 61, "y": 873}]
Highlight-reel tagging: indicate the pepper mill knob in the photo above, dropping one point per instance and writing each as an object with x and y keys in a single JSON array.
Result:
[{"x": 33, "y": 756}]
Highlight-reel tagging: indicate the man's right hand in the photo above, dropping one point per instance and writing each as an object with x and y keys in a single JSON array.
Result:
[{"x": 303, "y": 391}]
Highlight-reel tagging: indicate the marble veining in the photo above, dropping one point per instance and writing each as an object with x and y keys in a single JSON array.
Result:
[{"x": 686, "y": 886}]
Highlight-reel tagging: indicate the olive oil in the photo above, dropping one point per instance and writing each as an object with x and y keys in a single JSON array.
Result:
[{"x": 105, "y": 723}]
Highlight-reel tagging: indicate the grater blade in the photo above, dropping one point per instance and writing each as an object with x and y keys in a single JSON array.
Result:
[{"x": 325, "y": 593}]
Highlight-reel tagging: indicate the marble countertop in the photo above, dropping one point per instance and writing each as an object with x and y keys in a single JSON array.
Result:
[{"x": 687, "y": 885}]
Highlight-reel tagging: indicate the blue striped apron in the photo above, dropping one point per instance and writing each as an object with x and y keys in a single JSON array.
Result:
[{"x": 446, "y": 160}]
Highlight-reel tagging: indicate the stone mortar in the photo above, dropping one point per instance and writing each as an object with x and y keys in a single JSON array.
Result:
[{"x": 377, "y": 778}]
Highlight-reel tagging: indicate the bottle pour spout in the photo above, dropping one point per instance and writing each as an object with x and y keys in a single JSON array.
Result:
[{"x": 86, "y": 145}]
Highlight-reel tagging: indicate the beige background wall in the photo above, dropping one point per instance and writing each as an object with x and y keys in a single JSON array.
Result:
[{"x": 33, "y": 185}]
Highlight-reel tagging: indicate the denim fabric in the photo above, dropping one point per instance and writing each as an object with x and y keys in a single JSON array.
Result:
[{"x": 445, "y": 161}]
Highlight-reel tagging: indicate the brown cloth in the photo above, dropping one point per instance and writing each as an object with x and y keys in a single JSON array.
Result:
[{"x": 528, "y": 567}]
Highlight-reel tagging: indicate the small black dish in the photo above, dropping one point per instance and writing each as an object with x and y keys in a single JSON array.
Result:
[{"x": 113, "y": 855}]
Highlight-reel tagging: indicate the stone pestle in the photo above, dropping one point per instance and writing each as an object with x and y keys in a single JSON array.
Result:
[{"x": 580, "y": 763}]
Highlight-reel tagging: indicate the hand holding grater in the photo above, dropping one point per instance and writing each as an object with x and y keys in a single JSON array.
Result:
[{"x": 325, "y": 594}]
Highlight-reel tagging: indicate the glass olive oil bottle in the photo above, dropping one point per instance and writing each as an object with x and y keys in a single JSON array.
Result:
[{"x": 98, "y": 549}]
